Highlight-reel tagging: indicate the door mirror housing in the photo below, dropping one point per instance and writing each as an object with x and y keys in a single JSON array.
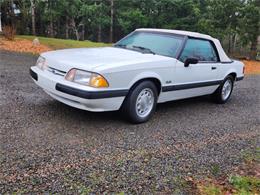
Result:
[{"x": 189, "y": 61}]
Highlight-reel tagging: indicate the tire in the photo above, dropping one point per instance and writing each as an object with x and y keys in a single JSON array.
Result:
[
  {"x": 140, "y": 102},
  {"x": 219, "y": 95}
]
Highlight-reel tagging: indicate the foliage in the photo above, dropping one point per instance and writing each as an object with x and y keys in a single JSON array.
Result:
[
  {"x": 233, "y": 21},
  {"x": 250, "y": 25},
  {"x": 132, "y": 19}
]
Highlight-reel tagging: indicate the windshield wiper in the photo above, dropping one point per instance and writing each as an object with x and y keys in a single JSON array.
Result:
[
  {"x": 120, "y": 45},
  {"x": 144, "y": 49}
]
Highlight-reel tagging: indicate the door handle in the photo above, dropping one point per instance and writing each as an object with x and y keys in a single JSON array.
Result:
[{"x": 213, "y": 68}]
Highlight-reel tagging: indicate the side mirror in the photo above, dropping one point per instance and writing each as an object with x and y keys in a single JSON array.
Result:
[{"x": 189, "y": 61}]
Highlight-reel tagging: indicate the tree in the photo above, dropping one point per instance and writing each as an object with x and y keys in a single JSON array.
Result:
[
  {"x": 73, "y": 16},
  {"x": 33, "y": 16},
  {"x": 111, "y": 21},
  {"x": 250, "y": 25},
  {"x": 96, "y": 16},
  {"x": 231, "y": 21}
]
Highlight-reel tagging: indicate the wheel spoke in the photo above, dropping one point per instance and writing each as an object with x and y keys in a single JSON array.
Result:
[
  {"x": 144, "y": 102},
  {"x": 226, "y": 89}
]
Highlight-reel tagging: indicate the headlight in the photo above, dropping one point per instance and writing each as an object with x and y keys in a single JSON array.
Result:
[
  {"x": 41, "y": 63},
  {"x": 86, "y": 78}
]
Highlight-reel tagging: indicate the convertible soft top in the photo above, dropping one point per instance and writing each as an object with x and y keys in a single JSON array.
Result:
[{"x": 222, "y": 55}]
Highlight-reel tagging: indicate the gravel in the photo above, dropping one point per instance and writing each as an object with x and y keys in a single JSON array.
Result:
[{"x": 47, "y": 146}]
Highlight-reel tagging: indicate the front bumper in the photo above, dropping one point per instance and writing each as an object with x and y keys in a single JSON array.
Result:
[{"x": 75, "y": 95}]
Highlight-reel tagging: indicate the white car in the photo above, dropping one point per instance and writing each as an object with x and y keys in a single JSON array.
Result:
[{"x": 147, "y": 67}]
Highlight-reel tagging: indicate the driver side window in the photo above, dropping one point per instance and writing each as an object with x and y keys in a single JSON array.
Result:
[{"x": 200, "y": 49}]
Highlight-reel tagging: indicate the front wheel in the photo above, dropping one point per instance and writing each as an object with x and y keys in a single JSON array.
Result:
[
  {"x": 141, "y": 102},
  {"x": 224, "y": 91}
]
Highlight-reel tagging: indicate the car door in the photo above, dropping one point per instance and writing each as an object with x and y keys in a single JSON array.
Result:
[{"x": 196, "y": 79}]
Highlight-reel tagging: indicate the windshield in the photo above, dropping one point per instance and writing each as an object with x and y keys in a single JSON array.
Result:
[{"x": 152, "y": 42}]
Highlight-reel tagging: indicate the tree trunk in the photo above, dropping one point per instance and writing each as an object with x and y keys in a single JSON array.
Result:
[
  {"x": 99, "y": 32},
  {"x": 253, "y": 49},
  {"x": 51, "y": 19},
  {"x": 235, "y": 43},
  {"x": 229, "y": 44},
  {"x": 0, "y": 23},
  {"x": 12, "y": 15},
  {"x": 51, "y": 28},
  {"x": 73, "y": 24},
  {"x": 77, "y": 34},
  {"x": 111, "y": 21},
  {"x": 83, "y": 32},
  {"x": 67, "y": 28},
  {"x": 233, "y": 39},
  {"x": 33, "y": 17}
]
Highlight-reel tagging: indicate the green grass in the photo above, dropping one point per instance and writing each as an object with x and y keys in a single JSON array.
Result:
[
  {"x": 251, "y": 156},
  {"x": 245, "y": 184},
  {"x": 215, "y": 169},
  {"x": 211, "y": 190},
  {"x": 63, "y": 43}
]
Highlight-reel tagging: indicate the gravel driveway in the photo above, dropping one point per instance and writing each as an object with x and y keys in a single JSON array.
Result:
[{"x": 47, "y": 146}]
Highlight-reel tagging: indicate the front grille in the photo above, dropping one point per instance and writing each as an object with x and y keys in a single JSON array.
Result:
[{"x": 56, "y": 71}]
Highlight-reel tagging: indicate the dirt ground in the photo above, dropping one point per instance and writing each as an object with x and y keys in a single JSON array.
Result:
[
  {"x": 252, "y": 67},
  {"x": 22, "y": 45}
]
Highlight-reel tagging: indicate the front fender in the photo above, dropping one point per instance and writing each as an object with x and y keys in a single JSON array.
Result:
[{"x": 144, "y": 75}]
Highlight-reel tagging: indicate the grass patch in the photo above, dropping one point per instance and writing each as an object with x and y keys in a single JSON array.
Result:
[
  {"x": 215, "y": 169},
  {"x": 54, "y": 43},
  {"x": 243, "y": 181},
  {"x": 211, "y": 190},
  {"x": 237, "y": 184},
  {"x": 250, "y": 156},
  {"x": 245, "y": 184}
]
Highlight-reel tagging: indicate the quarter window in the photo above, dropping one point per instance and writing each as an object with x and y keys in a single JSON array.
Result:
[{"x": 201, "y": 49}]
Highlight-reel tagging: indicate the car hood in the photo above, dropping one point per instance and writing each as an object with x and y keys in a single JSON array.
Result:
[{"x": 90, "y": 58}]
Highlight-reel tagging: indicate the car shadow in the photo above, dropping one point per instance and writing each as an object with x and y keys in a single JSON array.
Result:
[
  {"x": 72, "y": 114},
  {"x": 183, "y": 103}
]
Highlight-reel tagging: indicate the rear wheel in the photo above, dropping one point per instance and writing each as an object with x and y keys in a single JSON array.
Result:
[
  {"x": 140, "y": 103},
  {"x": 223, "y": 93}
]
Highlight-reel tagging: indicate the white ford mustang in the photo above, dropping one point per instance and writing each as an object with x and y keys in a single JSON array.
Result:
[{"x": 147, "y": 67}]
